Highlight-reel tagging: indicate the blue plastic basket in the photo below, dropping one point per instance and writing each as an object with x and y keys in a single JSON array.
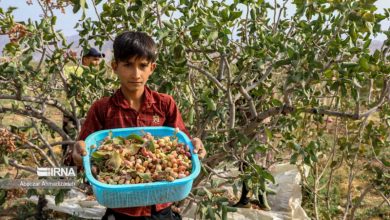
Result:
[{"x": 144, "y": 194}]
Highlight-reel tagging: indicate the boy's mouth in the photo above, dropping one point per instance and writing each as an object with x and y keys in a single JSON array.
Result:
[{"x": 135, "y": 82}]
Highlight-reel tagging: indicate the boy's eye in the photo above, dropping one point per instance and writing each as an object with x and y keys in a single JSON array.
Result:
[{"x": 144, "y": 65}]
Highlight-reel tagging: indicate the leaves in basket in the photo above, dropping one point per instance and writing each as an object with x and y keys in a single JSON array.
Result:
[
  {"x": 135, "y": 137},
  {"x": 150, "y": 146},
  {"x": 132, "y": 149},
  {"x": 115, "y": 161},
  {"x": 118, "y": 140},
  {"x": 99, "y": 155},
  {"x": 144, "y": 176}
]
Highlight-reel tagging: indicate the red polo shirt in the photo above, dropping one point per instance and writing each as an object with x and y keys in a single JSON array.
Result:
[{"x": 115, "y": 112}]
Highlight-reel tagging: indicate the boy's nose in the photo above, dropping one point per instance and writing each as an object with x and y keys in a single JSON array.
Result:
[{"x": 136, "y": 73}]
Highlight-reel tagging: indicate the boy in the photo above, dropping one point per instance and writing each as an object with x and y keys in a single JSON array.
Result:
[{"x": 134, "y": 104}]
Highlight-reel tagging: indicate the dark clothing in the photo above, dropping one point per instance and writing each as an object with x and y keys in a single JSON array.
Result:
[{"x": 165, "y": 214}]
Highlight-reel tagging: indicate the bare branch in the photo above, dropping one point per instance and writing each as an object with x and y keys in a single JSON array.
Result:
[
  {"x": 275, "y": 8},
  {"x": 359, "y": 201},
  {"x": 232, "y": 106},
  {"x": 279, "y": 16},
  {"x": 383, "y": 196},
  {"x": 250, "y": 100},
  {"x": 62, "y": 142},
  {"x": 49, "y": 147},
  {"x": 208, "y": 75},
  {"x": 36, "y": 114},
  {"x": 158, "y": 16},
  {"x": 30, "y": 145},
  {"x": 266, "y": 114},
  {"x": 50, "y": 102},
  {"x": 218, "y": 174},
  {"x": 18, "y": 166},
  {"x": 41, "y": 60},
  {"x": 254, "y": 85}
]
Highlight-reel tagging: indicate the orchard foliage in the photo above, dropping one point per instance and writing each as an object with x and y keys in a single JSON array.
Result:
[{"x": 250, "y": 80}]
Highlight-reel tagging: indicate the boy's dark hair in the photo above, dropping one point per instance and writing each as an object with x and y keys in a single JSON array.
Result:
[{"x": 134, "y": 44}]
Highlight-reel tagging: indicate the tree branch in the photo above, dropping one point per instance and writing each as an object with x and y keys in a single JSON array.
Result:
[
  {"x": 208, "y": 75},
  {"x": 50, "y": 102},
  {"x": 18, "y": 166},
  {"x": 36, "y": 114},
  {"x": 158, "y": 16},
  {"x": 49, "y": 147},
  {"x": 255, "y": 84},
  {"x": 232, "y": 106},
  {"x": 286, "y": 109},
  {"x": 35, "y": 147},
  {"x": 359, "y": 201},
  {"x": 384, "y": 197},
  {"x": 250, "y": 100}
]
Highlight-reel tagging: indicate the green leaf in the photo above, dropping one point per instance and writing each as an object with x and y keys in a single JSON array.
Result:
[
  {"x": 6, "y": 160},
  {"x": 294, "y": 158},
  {"x": 82, "y": 4},
  {"x": 200, "y": 192},
  {"x": 212, "y": 36},
  {"x": 3, "y": 196},
  {"x": 178, "y": 52},
  {"x": 208, "y": 193},
  {"x": 385, "y": 162},
  {"x": 220, "y": 199},
  {"x": 133, "y": 149},
  {"x": 211, "y": 106},
  {"x": 266, "y": 175},
  {"x": 268, "y": 133},
  {"x": 210, "y": 212},
  {"x": 363, "y": 62},
  {"x": 76, "y": 8},
  {"x": 144, "y": 176},
  {"x": 328, "y": 73},
  {"x": 150, "y": 146},
  {"x": 99, "y": 155},
  {"x": 224, "y": 212},
  {"x": 53, "y": 20},
  {"x": 60, "y": 196},
  {"x": 191, "y": 116},
  {"x": 118, "y": 140},
  {"x": 234, "y": 15},
  {"x": 356, "y": 83},
  {"x": 31, "y": 192},
  {"x": 195, "y": 31},
  {"x": 135, "y": 137},
  {"x": 276, "y": 102},
  {"x": 280, "y": 63},
  {"x": 235, "y": 189},
  {"x": 367, "y": 44},
  {"x": 294, "y": 146},
  {"x": 231, "y": 209}
]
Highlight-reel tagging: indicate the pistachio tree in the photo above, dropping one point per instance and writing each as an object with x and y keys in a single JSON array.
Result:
[{"x": 251, "y": 81}]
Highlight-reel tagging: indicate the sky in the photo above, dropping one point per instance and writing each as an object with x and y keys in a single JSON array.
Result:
[{"x": 67, "y": 21}]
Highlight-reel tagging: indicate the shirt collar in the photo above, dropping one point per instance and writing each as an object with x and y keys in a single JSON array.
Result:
[{"x": 119, "y": 99}]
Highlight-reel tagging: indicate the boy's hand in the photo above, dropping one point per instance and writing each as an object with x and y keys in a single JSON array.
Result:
[
  {"x": 199, "y": 148},
  {"x": 78, "y": 152}
]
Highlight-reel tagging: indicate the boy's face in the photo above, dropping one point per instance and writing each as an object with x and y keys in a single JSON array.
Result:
[{"x": 133, "y": 73}]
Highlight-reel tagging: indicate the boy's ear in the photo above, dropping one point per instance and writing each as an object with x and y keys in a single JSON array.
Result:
[
  {"x": 114, "y": 65},
  {"x": 153, "y": 66}
]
